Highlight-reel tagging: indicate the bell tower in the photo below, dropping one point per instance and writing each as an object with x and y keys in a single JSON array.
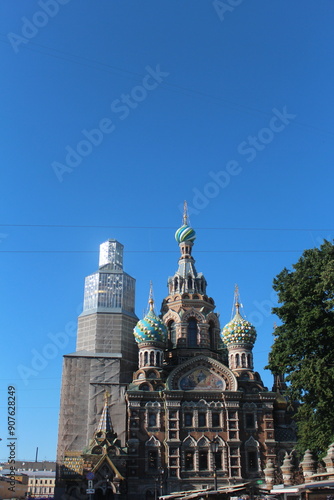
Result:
[{"x": 193, "y": 327}]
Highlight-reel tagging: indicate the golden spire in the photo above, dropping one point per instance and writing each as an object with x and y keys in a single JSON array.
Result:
[
  {"x": 236, "y": 299},
  {"x": 185, "y": 213},
  {"x": 106, "y": 397},
  {"x": 151, "y": 299}
]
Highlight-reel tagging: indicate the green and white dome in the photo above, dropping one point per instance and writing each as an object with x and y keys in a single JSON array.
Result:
[
  {"x": 185, "y": 233},
  {"x": 150, "y": 328},
  {"x": 238, "y": 331}
]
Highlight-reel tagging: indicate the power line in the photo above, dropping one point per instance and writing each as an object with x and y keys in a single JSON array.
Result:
[
  {"x": 148, "y": 251},
  {"x": 223, "y": 228},
  {"x": 168, "y": 86}
]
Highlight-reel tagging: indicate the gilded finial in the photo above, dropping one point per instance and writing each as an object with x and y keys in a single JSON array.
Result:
[
  {"x": 185, "y": 213},
  {"x": 106, "y": 397},
  {"x": 151, "y": 299},
  {"x": 236, "y": 298}
]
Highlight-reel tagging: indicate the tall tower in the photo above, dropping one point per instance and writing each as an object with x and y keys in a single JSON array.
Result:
[
  {"x": 106, "y": 353},
  {"x": 106, "y": 323},
  {"x": 188, "y": 312}
]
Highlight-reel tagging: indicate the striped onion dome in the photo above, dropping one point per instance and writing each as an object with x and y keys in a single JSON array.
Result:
[
  {"x": 185, "y": 233},
  {"x": 150, "y": 328}
]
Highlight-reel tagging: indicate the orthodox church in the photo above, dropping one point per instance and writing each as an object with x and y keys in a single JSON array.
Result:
[{"x": 168, "y": 403}]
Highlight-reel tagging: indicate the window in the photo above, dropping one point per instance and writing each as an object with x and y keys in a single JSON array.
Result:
[
  {"x": 192, "y": 332},
  {"x": 152, "y": 459},
  {"x": 203, "y": 460},
  {"x": 152, "y": 419},
  {"x": 212, "y": 335},
  {"x": 252, "y": 461},
  {"x": 188, "y": 419},
  {"x": 218, "y": 460},
  {"x": 152, "y": 358},
  {"x": 172, "y": 333},
  {"x": 202, "y": 420},
  {"x": 250, "y": 420},
  {"x": 215, "y": 419},
  {"x": 189, "y": 460}
]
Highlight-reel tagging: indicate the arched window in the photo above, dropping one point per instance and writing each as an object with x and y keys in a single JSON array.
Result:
[
  {"x": 212, "y": 335},
  {"x": 249, "y": 361},
  {"x": 152, "y": 419},
  {"x": 237, "y": 360},
  {"x": 176, "y": 284},
  {"x": 152, "y": 459},
  {"x": 243, "y": 360},
  {"x": 192, "y": 332},
  {"x": 158, "y": 359},
  {"x": 152, "y": 358},
  {"x": 145, "y": 358},
  {"x": 203, "y": 460},
  {"x": 172, "y": 333},
  {"x": 190, "y": 283},
  {"x": 189, "y": 459}
]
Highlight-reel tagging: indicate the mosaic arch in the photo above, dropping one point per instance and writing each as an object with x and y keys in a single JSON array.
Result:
[{"x": 202, "y": 373}]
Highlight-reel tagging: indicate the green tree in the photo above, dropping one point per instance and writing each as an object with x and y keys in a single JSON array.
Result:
[{"x": 303, "y": 348}]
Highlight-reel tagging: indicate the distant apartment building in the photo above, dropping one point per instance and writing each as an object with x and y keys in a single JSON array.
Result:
[{"x": 39, "y": 477}]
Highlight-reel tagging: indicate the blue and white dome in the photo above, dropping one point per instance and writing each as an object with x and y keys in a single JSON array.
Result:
[
  {"x": 185, "y": 233},
  {"x": 151, "y": 328}
]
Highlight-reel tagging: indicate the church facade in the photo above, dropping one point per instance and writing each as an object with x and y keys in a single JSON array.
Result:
[{"x": 185, "y": 408}]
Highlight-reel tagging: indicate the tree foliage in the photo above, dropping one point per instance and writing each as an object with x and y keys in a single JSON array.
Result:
[{"x": 304, "y": 344}]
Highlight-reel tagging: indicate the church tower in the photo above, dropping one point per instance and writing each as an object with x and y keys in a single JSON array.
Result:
[
  {"x": 106, "y": 353},
  {"x": 187, "y": 310}
]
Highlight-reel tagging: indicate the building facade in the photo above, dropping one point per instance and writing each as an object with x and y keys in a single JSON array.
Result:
[{"x": 196, "y": 413}]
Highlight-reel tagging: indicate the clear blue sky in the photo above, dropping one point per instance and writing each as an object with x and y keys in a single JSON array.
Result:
[{"x": 226, "y": 104}]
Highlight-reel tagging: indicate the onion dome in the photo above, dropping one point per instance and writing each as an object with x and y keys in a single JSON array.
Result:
[
  {"x": 280, "y": 402},
  {"x": 150, "y": 328},
  {"x": 185, "y": 233},
  {"x": 238, "y": 331}
]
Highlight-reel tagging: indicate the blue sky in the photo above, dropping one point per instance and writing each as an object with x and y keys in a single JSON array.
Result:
[{"x": 114, "y": 112}]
